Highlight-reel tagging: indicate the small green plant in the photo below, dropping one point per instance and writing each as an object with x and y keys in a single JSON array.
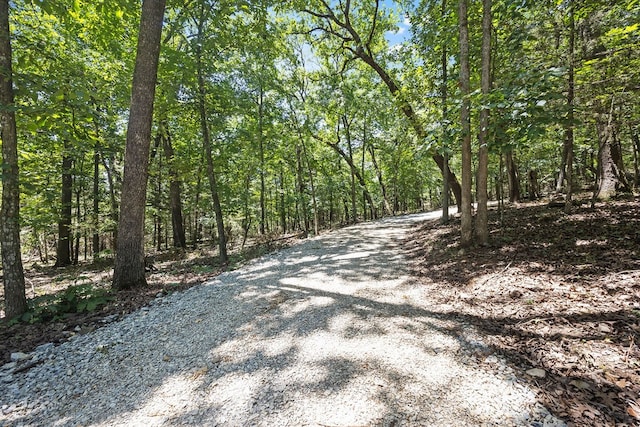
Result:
[
  {"x": 78, "y": 298},
  {"x": 204, "y": 269}
]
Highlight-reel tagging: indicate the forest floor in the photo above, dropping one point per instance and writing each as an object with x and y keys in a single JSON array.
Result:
[
  {"x": 558, "y": 295},
  {"x": 172, "y": 271}
]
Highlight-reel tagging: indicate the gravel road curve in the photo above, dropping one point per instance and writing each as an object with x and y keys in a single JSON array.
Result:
[{"x": 329, "y": 332}]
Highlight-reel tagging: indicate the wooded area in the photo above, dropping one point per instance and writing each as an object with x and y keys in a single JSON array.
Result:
[
  {"x": 187, "y": 132},
  {"x": 277, "y": 117}
]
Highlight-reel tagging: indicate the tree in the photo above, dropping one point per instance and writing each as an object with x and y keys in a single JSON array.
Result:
[
  {"x": 445, "y": 136},
  {"x": 362, "y": 46},
  {"x": 466, "y": 226},
  {"x": 13, "y": 275},
  {"x": 206, "y": 136},
  {"x": 569, "y": 136},
  {"x": 63, "y": 248},
  {"x": 129, "y": 268},
  {"x": 482, "y": 232},
  {"x": 175, "y": 193}
]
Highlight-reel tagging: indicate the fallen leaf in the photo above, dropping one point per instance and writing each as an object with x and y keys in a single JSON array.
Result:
[
  {"x": 200, "y": 372},
  {"x": 603, "y": 327},
  {"x": 634, "y": 410},
  {"x": 581, "y": 385},
  {"x": 622, "y": 383},
  {"x": 537, "y": 372}
]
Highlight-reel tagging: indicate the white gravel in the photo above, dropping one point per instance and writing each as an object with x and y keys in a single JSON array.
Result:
[{"x": 330, "y": 332}]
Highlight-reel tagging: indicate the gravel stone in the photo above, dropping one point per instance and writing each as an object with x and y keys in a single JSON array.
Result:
[
  {"x": 19, "y": 357},
  {"x": 331, "y": 331}
]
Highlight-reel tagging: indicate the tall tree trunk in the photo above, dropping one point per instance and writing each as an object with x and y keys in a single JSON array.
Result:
[
  {"x": 175, "y": 193},
  {"x": 563, "y": 168},
  {"x": 636, "y": 156},
  {"x": 445, "y": 133},
  {"x": 263, "y": 207},
  {"x": 482, "y": 230},
  {"x": 355, "y": 171},
  {"x": 282, "y": 210},
  {"x": 112, "y": 197},
  {"x": 383, "y": 188},
  {"x": 363, "y": 172},
  {"x": 611, "y": 178},
  {"x": 466, "y": 226},
  {"x": 95, "y": 246},
  {"x": 570, "y": 114},
  {"x": 314, "y": 203},
  {"x": 302, "y": 202},
  {"x": 206, "y": 137},
  {"x": 76, "y": 250},
  {"x": 354, "y": 209},
  {"x": 63, "y": 250},
  {"x": 129, "y": 264},
  {"x": 12, "y": 272},
  {"x": 513, "y": 179},
  {"x": 246, "y": 218},
  {"x": 211, "y": 174},
  {"x": 157, "y": 193},
  {"x": 195, "y": 237}
]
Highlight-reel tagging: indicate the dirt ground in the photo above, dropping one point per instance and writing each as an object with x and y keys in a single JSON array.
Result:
[{"x": 557, "y": 294}]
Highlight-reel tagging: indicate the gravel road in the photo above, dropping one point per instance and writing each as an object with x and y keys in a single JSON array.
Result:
[{"x": 329, "y": 332}]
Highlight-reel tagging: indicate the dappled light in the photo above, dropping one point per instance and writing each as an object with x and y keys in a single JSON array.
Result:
[
  {"x": 560, "y": 294},
  {"x": 345, "y": 341}
]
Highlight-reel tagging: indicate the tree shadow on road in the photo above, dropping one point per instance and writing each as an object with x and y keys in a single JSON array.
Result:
[{"x": 325, "y": 332}]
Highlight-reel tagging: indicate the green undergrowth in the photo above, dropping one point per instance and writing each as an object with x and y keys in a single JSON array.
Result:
[{"x": 81, "y": 297}]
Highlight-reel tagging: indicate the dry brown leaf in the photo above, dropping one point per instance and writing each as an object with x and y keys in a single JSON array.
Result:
[
  {"x": 622, "y": 383},
  {"x": 582, "y": 385},
  {"x": 634, "y": 410},
  {"x": 200, "y": 372}
]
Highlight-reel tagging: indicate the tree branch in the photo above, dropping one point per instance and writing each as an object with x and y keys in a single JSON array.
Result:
[{"x": 373, "y": 25}]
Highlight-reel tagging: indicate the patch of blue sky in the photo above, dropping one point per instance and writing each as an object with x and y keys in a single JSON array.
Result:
[{"x": 403, "y": 32}]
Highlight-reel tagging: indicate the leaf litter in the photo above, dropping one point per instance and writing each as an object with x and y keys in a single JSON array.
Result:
[{"x": 558, "y": 295}]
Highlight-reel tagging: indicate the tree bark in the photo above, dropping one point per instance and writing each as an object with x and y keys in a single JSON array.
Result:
[
  {"x": 129, "y": 264},
  {"x": 482, "y": 230},
  {"x": 263, "y": 207},
  {"x": 611, "y": 179},
  {"x": 445, "y": 145},
  {"x": 96, "y": 201},
  {"x": 76, "y": 250},
  {"x": 282, "y": 193},
  {"x": 314, "y": 202},
  {"x": 12, "y": 271},
  {"x": 636, "y": 156},
  {"x": 206, "y": 139},
  {"x": 383, "y": 187},
  {"x": 211, "y": 174},
  {"x": 175, "y": 194},
  {"x": 354, "y": 210},
  {"x": 466, "y": 226},
  {"x": 570, "y": 115},
  {"x": 513, "y": 180},
  {"x": 112, "y": 197},
  {"x": 302, "y": 202},
  {"x": 63, "y": 249}
]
